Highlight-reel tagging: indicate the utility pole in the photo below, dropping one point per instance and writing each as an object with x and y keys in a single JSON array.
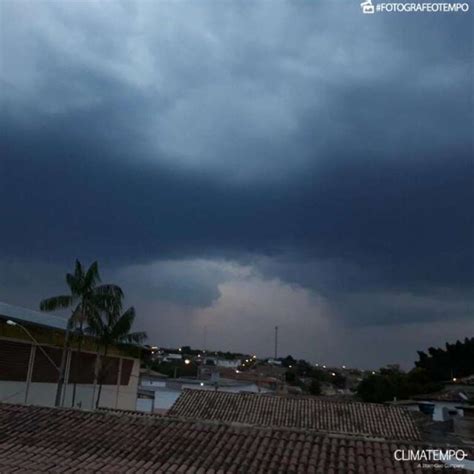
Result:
[
  {"x": 276, "y": 342},
  {"x": 62, "y": 368}
]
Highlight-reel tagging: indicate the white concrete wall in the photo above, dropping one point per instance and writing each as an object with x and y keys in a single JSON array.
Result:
[
  {"x": 153, "y": 383},
  {"x": 164, "y": 398},
  {"x": 438, "y": 409},
  {"x": 145, "y": 404},
  {"x": 44, "y": 394},
  {"x": 228, "y": 363}
]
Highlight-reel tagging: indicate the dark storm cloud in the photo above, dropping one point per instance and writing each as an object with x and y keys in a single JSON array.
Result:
[
  {"x": 400, "y": 225},
  {"x": 324, "y": 147}
]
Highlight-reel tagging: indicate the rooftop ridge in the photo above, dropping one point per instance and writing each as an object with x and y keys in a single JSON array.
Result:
[
  {"x": 49, "y": 439},
  {"x": 124, "y": 414},
  {"x": 307, "y": 412}
]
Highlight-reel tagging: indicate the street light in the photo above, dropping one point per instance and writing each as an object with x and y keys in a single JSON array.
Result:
[
  {"x": 28, "y": 381},
  {"x": 187, "y": 361}
]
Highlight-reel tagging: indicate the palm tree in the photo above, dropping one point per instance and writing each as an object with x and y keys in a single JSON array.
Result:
[
  {"x": 112, "y": 328},
  {"x": 86, "y": 298}
]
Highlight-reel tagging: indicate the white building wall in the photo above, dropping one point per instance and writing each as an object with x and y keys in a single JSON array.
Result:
[
  {"x": 44, "y": 394},
  {"x": 228, "y": 363},
  {"x": 145, "y": 405},
  {"x": 165, "y": 396}
]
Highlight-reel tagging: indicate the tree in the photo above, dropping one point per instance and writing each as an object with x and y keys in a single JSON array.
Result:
[
  {"x": 391, "y": 383},
  {"x": 112, "y": 327},
  {"x": 315, "y": 387},
  {"x": 290, "y": 377},
  {"x": 86, "y": 298},
  {"x": 287, "y": 361},
  {"x": 456, "y": 360}
]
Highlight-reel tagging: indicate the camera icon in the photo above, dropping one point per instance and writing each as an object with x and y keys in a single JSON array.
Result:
[{"x": 367, "y": 7}]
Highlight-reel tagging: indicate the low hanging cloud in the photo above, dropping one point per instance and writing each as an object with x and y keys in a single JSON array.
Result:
[{"x": 307, "y": 151}]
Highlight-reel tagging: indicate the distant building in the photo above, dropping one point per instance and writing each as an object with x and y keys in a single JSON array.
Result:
[
  {"x": 31, "y": 347},
  {"x": 220, "y": 362},
  {"x": 171, "y": 357},
  {"x": 159, "y": 394}
]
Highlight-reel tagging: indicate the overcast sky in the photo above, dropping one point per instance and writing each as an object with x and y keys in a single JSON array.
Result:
[{"x": 239, "y": 165}]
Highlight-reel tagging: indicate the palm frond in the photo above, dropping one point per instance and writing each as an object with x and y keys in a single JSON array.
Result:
[
  {"x": 135, "y": 337},
  {"x": 108, "y": 298},
  {"x": 73, "y": 283},
  {"x": 78, "y": 271},
  {"x": 109, "y": 290},
  {"x": 92, "y": 276},
  {"x": 79, "y": 315},
  {"x": 96, "y": 327},
  {"x": 91, "y": 311},
  {"x": 56, "y": 302},
  {"x": 123, "y": 324}
]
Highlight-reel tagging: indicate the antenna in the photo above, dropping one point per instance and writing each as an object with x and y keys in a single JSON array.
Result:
[{"x": 276, "y": 342}]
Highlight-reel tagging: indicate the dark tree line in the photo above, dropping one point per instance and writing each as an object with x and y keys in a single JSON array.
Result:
[
  {"x": 431, "y": 370},
  {"x": 456, "y": 360}
]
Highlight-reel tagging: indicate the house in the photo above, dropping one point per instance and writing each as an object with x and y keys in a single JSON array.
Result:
[
  {"x": 31, "y": 348},
  {"x": 167, "y": 391},
  {"x": 171, "y": 357},
  {"x": 302, "y": 412},
  {"x": 40, "y": 439},
  {"x": 445, "y": 404},
  {"x": 220, "y": 362}
]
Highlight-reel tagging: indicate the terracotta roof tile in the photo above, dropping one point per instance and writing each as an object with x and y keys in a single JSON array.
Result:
[
  {"x": 371, "y": 419},
  {"x": 39, "y": 439}
]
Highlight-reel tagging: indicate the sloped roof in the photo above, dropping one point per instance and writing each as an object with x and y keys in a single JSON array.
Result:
[
  {"x": 452, "y": 395},
  {"x": 20, "y": 314},
  {"x": 40, "y": 439},
  {"x": 313, "y": 413}
]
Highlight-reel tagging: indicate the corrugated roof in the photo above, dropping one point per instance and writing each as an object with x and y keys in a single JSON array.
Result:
[{"x": 20, "y": 314}]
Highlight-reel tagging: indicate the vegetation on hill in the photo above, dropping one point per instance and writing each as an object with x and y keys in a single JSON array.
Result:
[
  {"x": 439, "y": 365},
  {"x": 456, "y": 360},
  {"x": 389, "y": 384}
]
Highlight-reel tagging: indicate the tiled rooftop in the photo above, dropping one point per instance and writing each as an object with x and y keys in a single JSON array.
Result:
[
  {"x": 39, "y": 439},
  {"x": 388, "y": 422}
]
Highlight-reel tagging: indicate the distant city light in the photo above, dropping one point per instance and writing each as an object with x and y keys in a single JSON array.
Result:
[
  {"x": 187, "y": 361},
  {"x": 179, "y": 349},
  {"x": 324, "y": 366},
  {"x": 333, "y": 374},
  {"x": 373, "y": 372},
  {"x": 237, "y": 371},
  {"x": 290, "y": 366},
  {"x": 202, "y": 384},
  {"x": 454, "y": 379},
  {"x": 254, "y": 356},
  {"x": 343, "y": 366}
]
